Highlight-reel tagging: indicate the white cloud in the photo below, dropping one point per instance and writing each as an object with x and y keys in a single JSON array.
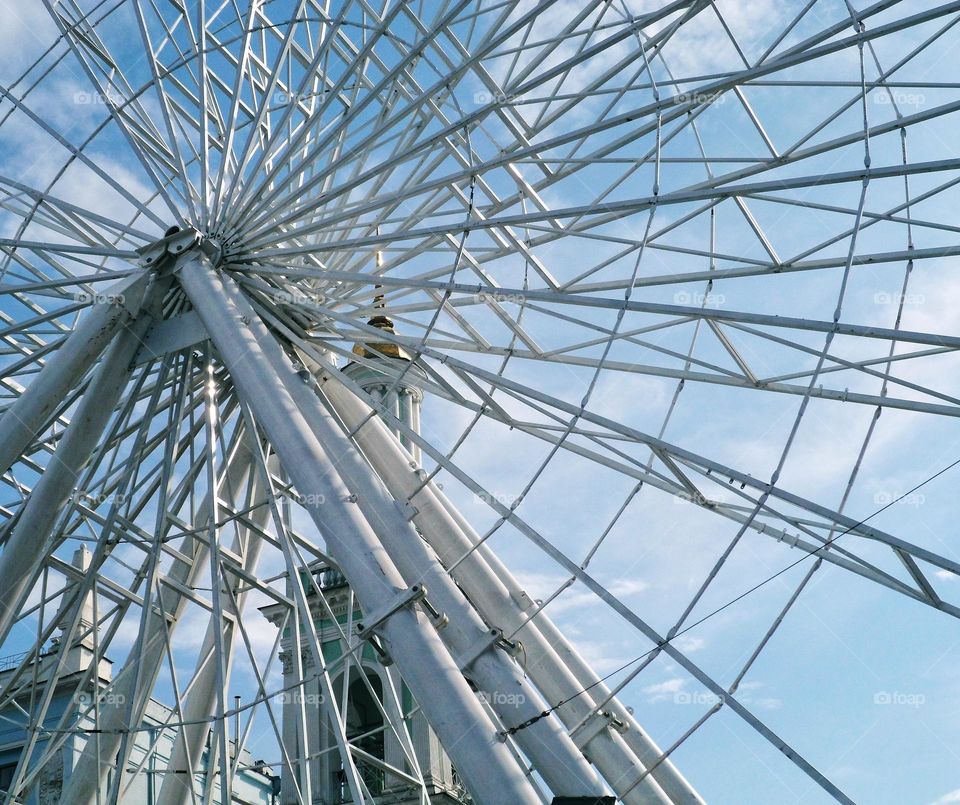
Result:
[
  {"x": 626, "y": 587},
  {"x": 542, "y": 585},
  {"x": 687, "y": 643},
  {"x": 27, "y": 29},
  {"x": 663, "y": 691}
]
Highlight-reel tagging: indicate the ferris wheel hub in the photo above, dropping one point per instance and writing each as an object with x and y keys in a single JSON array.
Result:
[
  {"x": 232, "y": 290},
  {"x": 177, "y": 243}
]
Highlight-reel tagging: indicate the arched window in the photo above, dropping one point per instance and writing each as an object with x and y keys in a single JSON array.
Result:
[{"x": 364, "y": 727}]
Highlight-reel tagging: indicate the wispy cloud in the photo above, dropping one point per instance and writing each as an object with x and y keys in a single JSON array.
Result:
[{"x": 664, "y": 691}]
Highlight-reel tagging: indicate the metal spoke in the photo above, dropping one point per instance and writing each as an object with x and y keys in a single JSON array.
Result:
[{"x": 328, "y": 326}]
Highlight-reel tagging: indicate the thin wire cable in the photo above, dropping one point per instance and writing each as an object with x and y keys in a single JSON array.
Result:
[{"x": 728, "y": 604}]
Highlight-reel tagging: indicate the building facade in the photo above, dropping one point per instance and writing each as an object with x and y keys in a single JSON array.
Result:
[
  {"x": 373, "y": 685},
  {"x": 253, "y": 784}
]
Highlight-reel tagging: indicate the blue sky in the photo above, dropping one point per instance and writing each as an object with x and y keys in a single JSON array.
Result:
[{"x": 857, "y": 678}]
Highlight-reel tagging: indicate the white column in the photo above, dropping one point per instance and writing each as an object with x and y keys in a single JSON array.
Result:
[
  {"x": 30, "y": 413},
  {"x": 201, "y": 701},
  {"x": 552, "y": 662},
  {"x": 28, "y": 542},
  {"x": 278, "y": 398},
  {"x": 99, "y": 757},
  {"x": 511, "y": 695}
]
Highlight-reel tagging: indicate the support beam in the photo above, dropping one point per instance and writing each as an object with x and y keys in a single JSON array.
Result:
[
  {"x": 30, "y": 538},
  {"x": 552, "y": 662},
  {"x": 553, "y": 753},
  {"x": 30, "y": 413},
  {"x": 264, "y": 378},
  {"x": 99, "y": 757},
  {"x": 200, "y": 706}
]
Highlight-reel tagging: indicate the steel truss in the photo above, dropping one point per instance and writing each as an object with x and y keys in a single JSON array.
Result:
[{"x": 595, "y": 252}]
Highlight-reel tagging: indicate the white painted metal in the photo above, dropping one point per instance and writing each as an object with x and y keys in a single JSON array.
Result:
[
  {"x": 551, "y": 662},
  {"x": 31, "y": 538},
  {"x": 509, "y": 693},
  {"x": 521, "y": 187},
  {"x": 30, "y": 413},
  {"x": 134, "y": 681},
  {"x": 278, "y": 400},
  {"x": 200, "y": 707}
]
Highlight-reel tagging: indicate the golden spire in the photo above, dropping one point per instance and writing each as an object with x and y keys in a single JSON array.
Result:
[{"x": 383, "y": 322}]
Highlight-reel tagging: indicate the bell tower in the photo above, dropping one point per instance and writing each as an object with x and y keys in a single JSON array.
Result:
[
  {"x": 401, "y": 396},
  {"x": 367, "y": 688}
]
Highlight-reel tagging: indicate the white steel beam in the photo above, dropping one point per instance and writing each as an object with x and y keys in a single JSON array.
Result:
[
  {"x": 29, "y": 539},
  {"x": 553, "y": 754},
  {"x": 29, "y": 414},
  {"x": 500, "y": 599},
  {"x": 99, "y": 757},
  {"x": 264, "y": 378},
  {"x": 191, "y": 740}
]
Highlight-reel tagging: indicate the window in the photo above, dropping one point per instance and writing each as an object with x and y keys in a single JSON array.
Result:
[
  {"x": 6, "y": 776},
  {"x": 365, "y": 730}
]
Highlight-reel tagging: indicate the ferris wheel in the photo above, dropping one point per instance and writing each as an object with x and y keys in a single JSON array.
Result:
[{"x": 538, "y": 382}]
